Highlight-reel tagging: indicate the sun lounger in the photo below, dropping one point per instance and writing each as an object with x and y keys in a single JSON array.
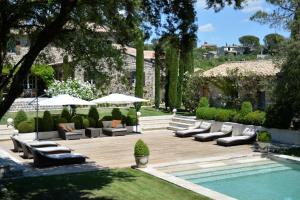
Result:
[
  {"x": 226, "y": 131},
  {"x": 203, "y": 128},
  {"x": 47, "y": 160},
  {"x": 248, "y": 136},
  {"x": 27, "y": 146},
  {"x": 16, "y": 139}
]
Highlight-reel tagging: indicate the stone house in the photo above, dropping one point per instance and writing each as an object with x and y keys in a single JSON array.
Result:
[
  {"x": 20, "y": 46},
  {"x": 265, "y": 69}
]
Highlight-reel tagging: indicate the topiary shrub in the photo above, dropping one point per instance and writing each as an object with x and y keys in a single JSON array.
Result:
[
  {"x": 47, "y": 121},
  {"x": 85, "y": 123},
  {"x": 224, "y": 115},
  {"x": 26, "y": 127},
  {"x": 246, "y": 108},
  {"x": 141, "y": 149},
  {"x": 92, "y": 122},
  {"x": 58, "y": 120},
  {"x": 38, "y": 121},
  {"x": 116, "y": 114},
  {"x": 203, "y": 102},
  {"x": 93, "y": 113},
  {"x": 206, "y": 113},
  {"x": 255, "y": 118},
  {"x": 78, "y": 122},
  {"x": 131, "y": 119},
  {"x": 66, "y": 115},
  {"x": 264, "y": 136},
  {"x": 20, "y": 117}
]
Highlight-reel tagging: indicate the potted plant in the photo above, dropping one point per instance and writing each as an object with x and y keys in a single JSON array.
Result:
[
  {"x": 132, "y": 122},
  {"x": 141, "y": 153},
  {"x": 263, "y": 141}
]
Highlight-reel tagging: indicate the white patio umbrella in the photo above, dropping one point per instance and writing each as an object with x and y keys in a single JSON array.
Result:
[
  {"x": 118, "y": 99},
  {"x": 65, "y": 100}
]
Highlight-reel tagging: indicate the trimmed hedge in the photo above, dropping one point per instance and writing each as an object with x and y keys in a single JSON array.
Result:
[
  {"x": 78, "y": 122},
  {"x": 264, "y": 136},
  {"x": 204, "y": 102},
  {"x": 116, "y": 114},
  {"x": 131, "y": 119},
  {"x": 246, "y": 108},
  {"x": 85, "y": 123},
  {"x": 20, "y": 117},
  {"x": 47, "y": 122},
  {"x": 66, "y": 115},
  {"x": 93, "y": 113},
  {"x": 227, "y": 115},
  {"x": 141, "y": 148},
  {"x": 26, "y": 127},
  {"x": 92, "y": 122}
]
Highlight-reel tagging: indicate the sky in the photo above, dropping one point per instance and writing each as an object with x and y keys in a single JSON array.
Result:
[{"x": 228, "y": 25}]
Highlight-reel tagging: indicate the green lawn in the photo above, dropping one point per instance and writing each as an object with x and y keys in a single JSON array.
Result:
[
  {"x": 146, "y": 111},
  {"x": 117, "y": 184}
]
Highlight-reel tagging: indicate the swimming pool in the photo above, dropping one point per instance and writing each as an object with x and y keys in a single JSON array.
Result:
[{"x": 260, "y": 180}]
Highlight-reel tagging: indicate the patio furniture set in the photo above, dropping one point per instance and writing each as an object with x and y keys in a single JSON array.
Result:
[
  {"x": 45, "y": 153},
  {"x": 223, "y": 137}
]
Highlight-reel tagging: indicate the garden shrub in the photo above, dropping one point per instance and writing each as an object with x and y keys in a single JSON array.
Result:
[
  {"x": 66, "y": 114},
  {"x": 116, "y": 114},
  {"x": 85, "y": 123},
  {"x": 92, "y": 122},
  {"x": 246, "y": 108},
  {"x": 26, "y": 126},
  {"x": 141, "y": 148},
  {"x": 20, "y": 117},
  {"x": 203, "y": 102},
  {"x": 206, "y": 113},
  {"x": 47, "y": 121},
  {"x": 224, "y": 115},
  {"x": 38, "y": 121},
  {"x": 78, "y": 121},
  {"x": 93, "y": 113},
  {"x": 264, "y": 136},
  {"x": 255, "y": 118},
  {"x": 131, "y": 119}
]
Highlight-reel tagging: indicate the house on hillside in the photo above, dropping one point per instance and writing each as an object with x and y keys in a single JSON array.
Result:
[
  {"x": 230, "y": 50},
  {"x": 33, "y": 86},
  {"x": 264, "y": 70}
]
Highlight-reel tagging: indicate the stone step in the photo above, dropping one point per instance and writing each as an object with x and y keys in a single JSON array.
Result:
[
  {"x": 154, "y": 128},
  {"x": 154, "y": 122},
  {"x": 181, "y": 125},
  {"x": 175, "y": 128},
  {"x": 184, "y": 120}
]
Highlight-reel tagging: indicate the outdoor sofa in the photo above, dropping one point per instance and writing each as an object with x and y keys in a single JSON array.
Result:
[
  {"x": 225, "y": 131},
  {"x": 67, "y": 131},
  {"x": 47, "y": 160},
  {"x": 248, "y": 136},
  {"x": 204, "y": 127},
  {"x": 114, "y": 128}
]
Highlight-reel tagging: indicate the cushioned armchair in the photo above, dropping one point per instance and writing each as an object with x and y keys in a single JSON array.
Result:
[{"x": 67, "y": 131}]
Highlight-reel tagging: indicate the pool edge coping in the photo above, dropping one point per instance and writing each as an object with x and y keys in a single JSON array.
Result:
[{"x": 186, "y": 184}]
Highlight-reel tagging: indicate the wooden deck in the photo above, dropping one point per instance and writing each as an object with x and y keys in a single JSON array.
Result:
[{"x": 164, "y": 147}]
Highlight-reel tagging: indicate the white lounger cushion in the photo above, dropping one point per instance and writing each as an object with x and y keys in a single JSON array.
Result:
[
  {"x": 51, "y": 149},
  {"x": 207, "y": 135},
  {"x": 191, "y": 131},
  {"x": 248, "y": 132},
  {"x": 226, "y": 128},
  {"x": 205, "y": 125},
  {"x": 230, "y": 139}
]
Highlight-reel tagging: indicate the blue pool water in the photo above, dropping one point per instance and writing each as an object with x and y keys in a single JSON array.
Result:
[{"x": 264, "y": 180}]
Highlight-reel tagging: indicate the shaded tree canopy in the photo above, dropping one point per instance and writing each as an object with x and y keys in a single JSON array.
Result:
[
  {"x": 285, "y": 14},
  {"x": 272, "y": 42},
  {"x": 250, "y": 41}
]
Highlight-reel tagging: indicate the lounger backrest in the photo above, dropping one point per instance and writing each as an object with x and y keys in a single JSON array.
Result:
[
  {"x": 205, "y": 125},
  {"x": 248, "y": 132},
  {"x": 226, "y": 128},
  {"x": 25, "y": 136}
]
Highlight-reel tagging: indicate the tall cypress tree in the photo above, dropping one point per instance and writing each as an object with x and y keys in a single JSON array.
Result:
[
  {"x": 157, "y": 75},
  {"x": 172, "y": 61},
  {"x": 139, "y": 82}
]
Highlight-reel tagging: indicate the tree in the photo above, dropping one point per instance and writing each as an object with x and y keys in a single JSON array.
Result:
[
  {"x": 158, "y": 65},
  {"x": 272, "y": 42},
  {"x": 139, "y": 82},
  {"x": 172, "y": 62},
  {"x": 250, "y": 42},
  {"x": 286, "y": 14}
]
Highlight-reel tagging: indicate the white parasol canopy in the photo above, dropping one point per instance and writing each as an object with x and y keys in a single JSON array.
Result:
[
  {"x": 65, "y": 100},
  {"x": 118, "y": 99}
]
